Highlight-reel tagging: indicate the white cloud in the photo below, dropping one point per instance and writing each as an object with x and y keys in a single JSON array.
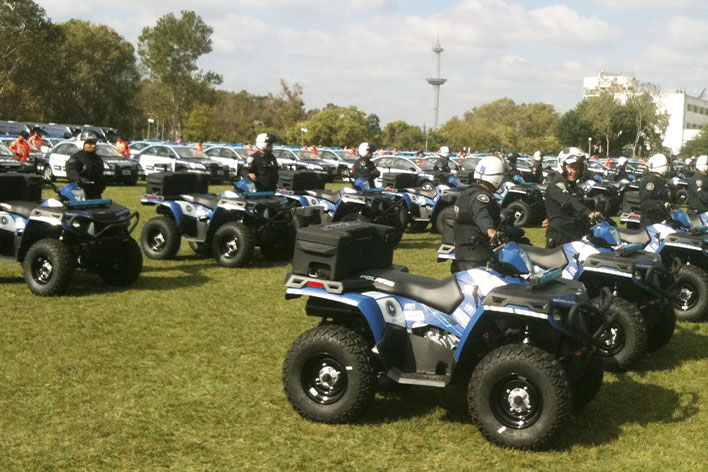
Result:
[{"x": 643, "y": 4}]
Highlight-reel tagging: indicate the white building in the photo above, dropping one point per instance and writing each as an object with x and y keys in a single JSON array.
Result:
[{"x": 687, "y": 114}]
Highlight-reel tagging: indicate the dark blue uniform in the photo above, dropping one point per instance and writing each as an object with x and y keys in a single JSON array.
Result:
[
  {"x": 85, "y": 169},
  {"x": 697, "y": 193},
  {"x": 265, "y": 167},
  {"x": 566, "y": 212},
  {"x": 653, "y": 195},
  {"x": 363, "y": 167},
  {"x": 477, "y": 211}
]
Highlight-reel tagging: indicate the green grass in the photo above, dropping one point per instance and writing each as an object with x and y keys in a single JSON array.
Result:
[{"x": 182, "y": 371}]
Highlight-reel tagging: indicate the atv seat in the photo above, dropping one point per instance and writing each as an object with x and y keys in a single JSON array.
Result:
[
  {"x": 429, "y": 193},
  {"x": 20, "y": 207},
  {"x": 444, "y": 295},
  {"x": 634, "y": 235},
  {"x": 546, "y": 258},
  {"x": 328, "y": 195},
  {"x": 208, "y": 200}
]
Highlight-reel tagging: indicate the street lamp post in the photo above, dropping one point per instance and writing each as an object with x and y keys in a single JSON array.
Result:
[
  {"x": 150, "y": 120},
  {"x": 589, "y": 146},
  {"x": 302, "y": 137}
]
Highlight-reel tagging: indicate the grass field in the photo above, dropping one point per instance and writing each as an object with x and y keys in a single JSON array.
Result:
[{"x": 182, "y": 371}]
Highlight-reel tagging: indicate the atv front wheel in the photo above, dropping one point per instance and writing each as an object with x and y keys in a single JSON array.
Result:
[
  {"x": 47, "y": 267},
  {"x": 232, "y": 245},
  {"x": 519, "y": 396},
  {"x": 328, "y": 375},
  {"x": 124, "y": 266},
  {"x": 160, "y": 238},
  {"x": 691, "y": 303},
  {"x": 625, "y": 341},
  {"x": 522, "y": 213}
]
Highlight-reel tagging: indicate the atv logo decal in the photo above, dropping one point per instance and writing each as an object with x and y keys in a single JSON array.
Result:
[
  {"x": 378, "y": 280},
  {"x": 3, "y": 220},
  {"x": 483, "y": 198},
  {"x": 650, "y": 186},
  {"x": 391, "y": 308}
]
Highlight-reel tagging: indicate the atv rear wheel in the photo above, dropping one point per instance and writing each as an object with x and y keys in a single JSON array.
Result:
[
  {"x": 328, "y": 375},
  {"x": 691, "y": 303},
  {"x": 662, "y": 331},
  {"x": 625, "y": 342},
  {"x": 586, "y": 386},
  {"x": 47, "y": 267},
  {"x": 160, "y": 238},
  {"x": 232, "y": 245},
  {"x": 124, "y": 267},
  {"x": 447, "y": 212},
  {"x": 519, "y": 396},
  {"x": 522, "y": 213}
]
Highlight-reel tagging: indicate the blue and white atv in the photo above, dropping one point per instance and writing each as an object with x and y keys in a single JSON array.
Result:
[
  {"x": 601, "y": 195},
  {"x": 356, "y": 203},
  {"x": 643, "y": 290},
  {"x": 683, "y": 248},
  {"x": 524, "y": 199},
  {"x": 228, "y": 226},
  {"x": 427, "y": 205},
  {"x": 52, "y": 238},
  {"x": 521, "y": 346}
]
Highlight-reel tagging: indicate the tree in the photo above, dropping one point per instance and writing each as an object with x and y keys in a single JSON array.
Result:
[
  {"x": 696, "y": 146},
  {"x": 169, "y": 51},
  {"x": 337, "y": 127},
  {"x": 648, "y": 124},
  {"x": 401, "y": 135},
  {"x": 96, "y": 80},
  {"x": 24, "y": 83},
  {"x": 574, "y": 129}
]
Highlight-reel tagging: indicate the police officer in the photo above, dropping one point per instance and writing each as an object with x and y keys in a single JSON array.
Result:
[
  {"x": 478, "y": 215},
  {"x": 441, "y": 170},
  {"x": 363, "y": 167},
  {"x": 621, "y": 173},
  {"x": 511, "y": 171},
  {"x": 262, "y": 167},
  {"x": 567, "y": 214},
  {"x": 653, "y": 192},
  {"x": 698, "y": 187},
  {"x": 536, "y": 168},
  {"x": 85, "y": 167}
]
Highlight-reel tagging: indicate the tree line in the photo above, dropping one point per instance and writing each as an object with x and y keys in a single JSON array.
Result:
[{"x": 78, "y": 72}]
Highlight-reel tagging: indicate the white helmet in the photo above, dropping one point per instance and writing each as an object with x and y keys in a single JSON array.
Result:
[
  {"x": 702, "y": 163},
  {"x": 490, "y": 169},
  {"x": 621, "y": 161},
  {"x": 537, "y": 155},
  {"x": 264, "y": 139},
  {"x": 445, "y": 151},
  {"x": 365, "y": 148},
  {"x": 658, "y": 164},
  {"x": 570, "y": 155}
]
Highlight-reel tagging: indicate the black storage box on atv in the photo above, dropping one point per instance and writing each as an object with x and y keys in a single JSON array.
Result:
[
  {"x": 465, "y": 177},
  {"x": 391, "y": 180},
  {"x": 173, "y": 184},
  {"x": 335, "y": 250},
  {"x": 24, "y": 187},
  {"x": 631, "y": 200},
  {"x": 299, "y": 180}
]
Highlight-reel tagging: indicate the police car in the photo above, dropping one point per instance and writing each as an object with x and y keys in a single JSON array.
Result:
[
  {"x": 115, "y": 168},
  {"x": 180, "y": 157}
]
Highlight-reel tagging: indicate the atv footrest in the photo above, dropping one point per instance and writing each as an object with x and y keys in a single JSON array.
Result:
[{"x": 427, "y": 380}]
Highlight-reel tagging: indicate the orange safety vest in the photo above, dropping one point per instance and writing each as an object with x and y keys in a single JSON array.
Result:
[
  {"x": 21, "y": 150},
  {"x": 36, "y": 141},
  {"x": 123, "y": 148}
]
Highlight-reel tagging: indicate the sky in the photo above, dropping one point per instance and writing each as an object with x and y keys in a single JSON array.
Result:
[{"x": 376, "y": 54}]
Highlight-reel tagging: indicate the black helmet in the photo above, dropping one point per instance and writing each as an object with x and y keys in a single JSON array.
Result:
[
  {"x": 513, "y": 156},
  {"x": 24, "y": 134},
  {"x": 88, "y": 136}
]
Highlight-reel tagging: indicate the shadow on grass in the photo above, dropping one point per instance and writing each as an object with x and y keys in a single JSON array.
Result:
[
  {"x": 416, "y": 245},
  {"x": 687, "y": 344},
  {"x": 402, "y": 404},
  {"x": 11, "y": 280},
  {"x": 626, "y": 402}
]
